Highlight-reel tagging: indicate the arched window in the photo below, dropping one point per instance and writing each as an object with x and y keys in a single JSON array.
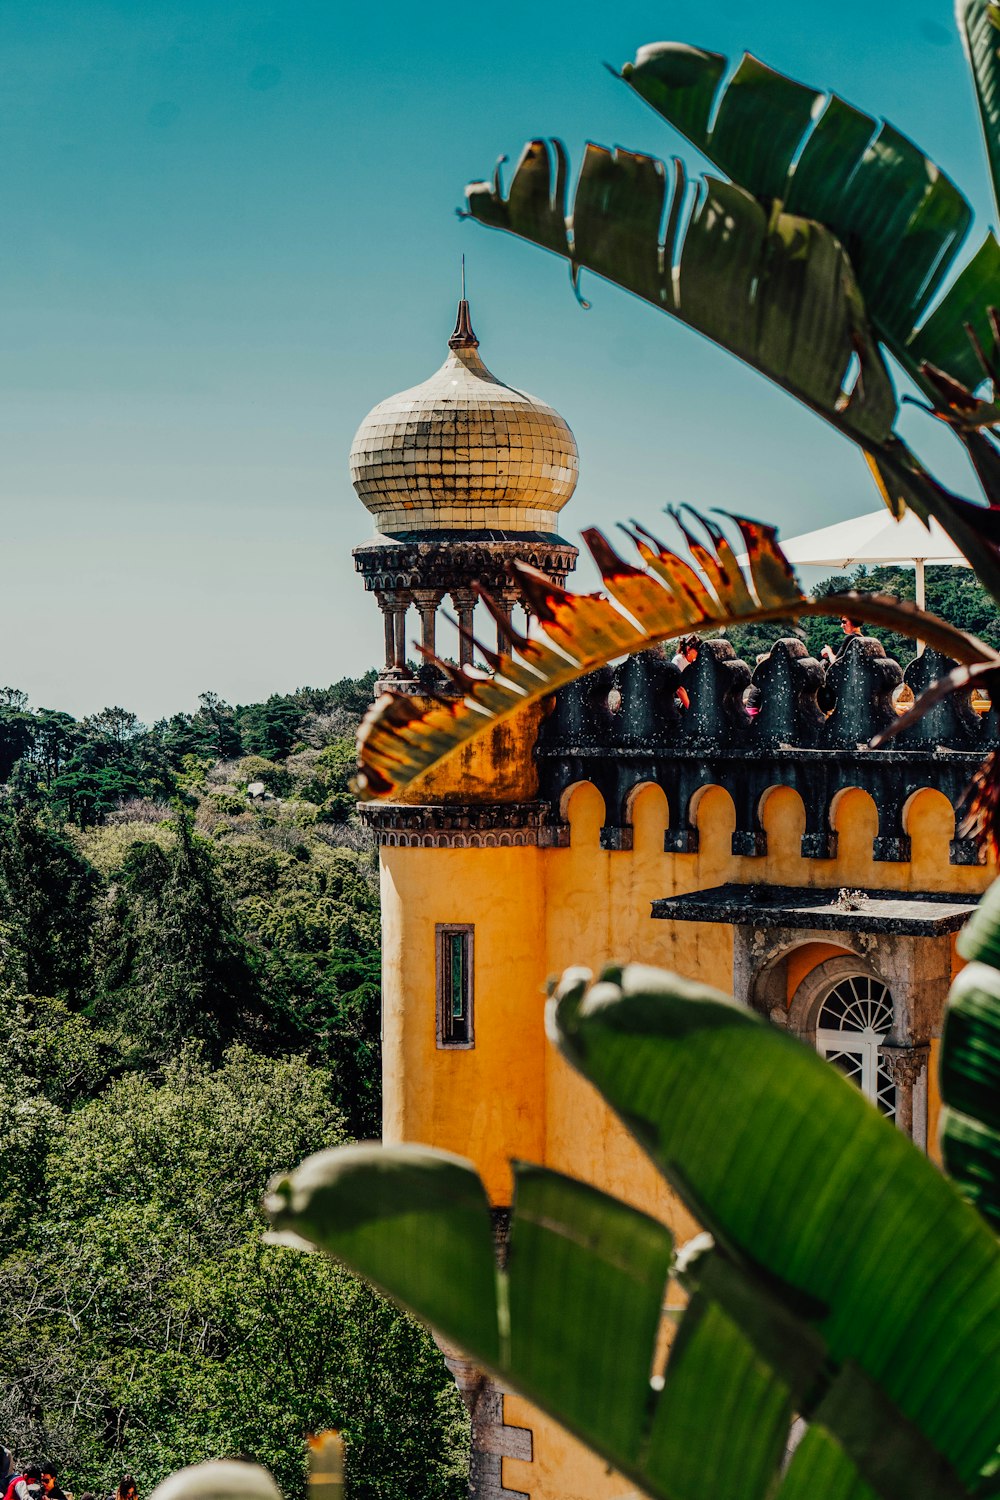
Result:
[{"x": 853, "y": 1020}]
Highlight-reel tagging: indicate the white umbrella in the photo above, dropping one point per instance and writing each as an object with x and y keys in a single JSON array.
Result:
[{"x": 874, "y": 539}]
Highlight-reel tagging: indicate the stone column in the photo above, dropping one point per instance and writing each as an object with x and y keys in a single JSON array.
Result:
[
  {"x": 506, "y": 601},
  {"x": 464, "y": 601},
  {"x": 907, "y": 1067},
  {"x": 398, "y": 602},
  {"x": 427, "y": 601},
  {"x": 390, "y": 639}
]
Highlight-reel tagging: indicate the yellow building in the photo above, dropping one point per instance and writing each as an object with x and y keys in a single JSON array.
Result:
[{"x": 770, "y": 854}]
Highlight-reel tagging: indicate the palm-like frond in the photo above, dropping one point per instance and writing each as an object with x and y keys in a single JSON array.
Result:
[
  {"x": 835, "y": 233},
  {"x": 773, "y": 288},
  {"x": 979, "y": 23},
  {"x": 900, "y": 218},
  {"x": 403, "y": 737}
]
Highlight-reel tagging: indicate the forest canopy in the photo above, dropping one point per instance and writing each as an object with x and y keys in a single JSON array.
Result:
[{"x": 189, "y": 965}]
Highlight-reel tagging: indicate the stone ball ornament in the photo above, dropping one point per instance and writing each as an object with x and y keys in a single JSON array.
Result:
[{"x": 464, "y": 452}]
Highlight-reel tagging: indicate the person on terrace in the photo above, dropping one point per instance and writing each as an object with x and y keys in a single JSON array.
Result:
[
  {"x": 850, "y": 628},
  {"x": 686, "y": 653}
]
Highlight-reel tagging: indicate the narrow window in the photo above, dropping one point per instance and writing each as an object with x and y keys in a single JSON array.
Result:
[{"x": 454, "y": 985}]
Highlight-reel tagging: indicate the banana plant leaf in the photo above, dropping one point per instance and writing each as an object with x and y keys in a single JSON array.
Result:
[
  {"x": 772, "y": 288},
  {"x": 901, "y": 219},
  {"x": 979, "y": 23},
  {"x": 943, "y": 340},
  {"x": 402, "y": 737},
  {"x": 805, "y": 1304},
  {"x": 813, "y": 1191},
  {"x": 970, "y": 1064},
  {"x": 753, "y": 264},
  {"x": 903, "y": 483},
  {"x": 572, "y": 1321}
]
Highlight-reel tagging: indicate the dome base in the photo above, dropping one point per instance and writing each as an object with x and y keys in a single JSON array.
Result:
[{"x": 449, "y": 560}]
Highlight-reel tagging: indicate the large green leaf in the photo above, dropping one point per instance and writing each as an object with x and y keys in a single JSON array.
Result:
[
  {"x": 436, "y": 1210},
  {"x": 574, "y": 1250},
  {"x": 819, "y": 1467},
  {"x": 979, "y": 940},
  {"x": 854, "y": 1218},
  {"x": 970, "y": 1064},
  {"x": 943, "y": 340},
  {"x": 979, "y": 23},
  {"x": 571, "y": 1248},
  {"x": 855, "y": 1288},
  {"x": 900, "y": 218},
  {"x": 578, "y": 1306},
  {"x": 774, "y": 289},
  {"x": 904, "y": 482},
  {"x": 713, "y": 1364}
]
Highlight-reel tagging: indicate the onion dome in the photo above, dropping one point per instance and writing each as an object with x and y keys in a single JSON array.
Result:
[{"x": 464, "y": 452}]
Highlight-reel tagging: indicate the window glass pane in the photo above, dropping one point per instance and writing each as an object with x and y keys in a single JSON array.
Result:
[
  {"x": 454, "y": 986},
  {"x": 853, "y": 1020},
  {"x": 457, "y": 975}
]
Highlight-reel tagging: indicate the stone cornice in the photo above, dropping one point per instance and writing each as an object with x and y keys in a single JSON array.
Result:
[
  {"x": 435, "y": 563},
  {"x": 485, "y": 825}
]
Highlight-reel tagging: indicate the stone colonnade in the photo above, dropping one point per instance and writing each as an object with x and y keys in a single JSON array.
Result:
[{"x": 395, "y": 605}]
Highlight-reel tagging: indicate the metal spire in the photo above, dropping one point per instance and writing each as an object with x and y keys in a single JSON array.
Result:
[{"x": 463, "y": 336}]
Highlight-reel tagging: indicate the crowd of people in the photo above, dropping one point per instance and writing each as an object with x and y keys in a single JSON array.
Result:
[{"x": 41, "y": 1482}]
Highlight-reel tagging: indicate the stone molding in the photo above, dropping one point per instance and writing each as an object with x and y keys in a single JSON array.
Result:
[
  {"x": 904, "y": 1064},
  {"x": 499, "y": 825},
  {"x": 453, "y": 562}
]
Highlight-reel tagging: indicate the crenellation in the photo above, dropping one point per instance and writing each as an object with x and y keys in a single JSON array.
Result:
[
  {"x": 716, "y": 683},
  {"x": 788, "y": 680},
  {"x": 953, "y": 721},
  {"x": 645, "y": 736},
  {"x": 860, "y": 685}
]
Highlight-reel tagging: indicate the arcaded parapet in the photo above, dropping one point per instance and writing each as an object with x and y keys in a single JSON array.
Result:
[{"x": 623, "y": 726}]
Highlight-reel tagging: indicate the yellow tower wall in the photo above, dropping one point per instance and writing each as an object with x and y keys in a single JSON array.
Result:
[
  {"x": 487, "y": 1102},
  {"x": 538, "y": 910}
]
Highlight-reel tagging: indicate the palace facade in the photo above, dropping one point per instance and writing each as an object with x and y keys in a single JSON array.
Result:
[{"x": 772, "y": 855}]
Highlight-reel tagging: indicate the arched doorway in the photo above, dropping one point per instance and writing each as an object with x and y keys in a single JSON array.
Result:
[{"x": 853, "y": 1020}]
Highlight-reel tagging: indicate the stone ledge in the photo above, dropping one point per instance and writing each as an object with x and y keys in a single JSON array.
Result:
[
  {"x": 869, "y": 911},
  {"x": 445, "y": 825}
]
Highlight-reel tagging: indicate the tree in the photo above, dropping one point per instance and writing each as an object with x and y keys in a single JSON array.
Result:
[
  {"x": 47, "y": 894},
  {"x": 146, "y": 1324},
  {"x": 312, "y": 925},
  {"x": 270, "y": 729},
  {"x": 171, "y": 965}
]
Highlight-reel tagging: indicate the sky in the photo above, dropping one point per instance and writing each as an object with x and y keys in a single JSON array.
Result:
[{"x": 230, "y": 229}]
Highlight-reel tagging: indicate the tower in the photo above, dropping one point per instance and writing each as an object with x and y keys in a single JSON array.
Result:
[
  {"x": 775, "y": 855},
  {"x": 462, "y": 475}
]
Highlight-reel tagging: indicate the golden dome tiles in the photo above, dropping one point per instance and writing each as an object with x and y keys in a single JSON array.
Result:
[{"x": 462, "y": 451}]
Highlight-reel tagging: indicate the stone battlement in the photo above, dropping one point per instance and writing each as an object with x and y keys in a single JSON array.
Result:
[{"x": 622, "y": 727}]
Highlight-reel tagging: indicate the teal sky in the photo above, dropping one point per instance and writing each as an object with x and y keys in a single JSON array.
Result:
[{"x": 230, "y": 230}]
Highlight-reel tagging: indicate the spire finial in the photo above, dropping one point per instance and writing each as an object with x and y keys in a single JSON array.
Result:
[{"x": 463, "y": 336}]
